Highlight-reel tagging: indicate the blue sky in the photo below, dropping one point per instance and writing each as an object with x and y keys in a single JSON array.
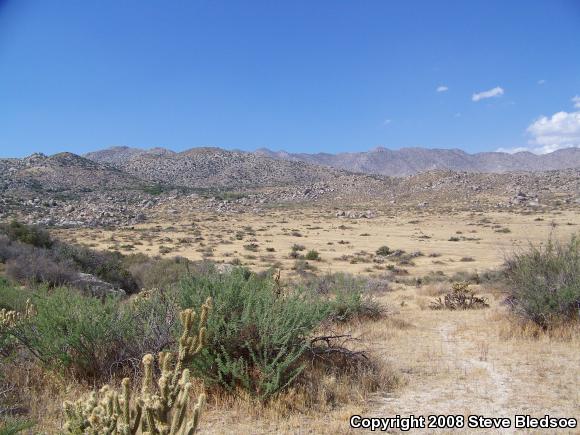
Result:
[{"x": 304, "y": 76}]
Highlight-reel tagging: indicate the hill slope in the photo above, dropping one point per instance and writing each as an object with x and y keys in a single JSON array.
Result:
[{"x": 63, "y": 173}]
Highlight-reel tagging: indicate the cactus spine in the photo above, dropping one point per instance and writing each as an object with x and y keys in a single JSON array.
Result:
[{"x": 161, "y": 407}]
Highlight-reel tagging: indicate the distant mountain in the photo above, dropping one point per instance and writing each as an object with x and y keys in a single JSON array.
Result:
[
  {"x": 409, "y": 161},
  {"x": 379, "y": 161},
  {"x": 209, "y": 167}
]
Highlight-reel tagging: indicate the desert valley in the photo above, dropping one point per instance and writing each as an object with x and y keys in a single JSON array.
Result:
[{"x": 417, "y": 275}]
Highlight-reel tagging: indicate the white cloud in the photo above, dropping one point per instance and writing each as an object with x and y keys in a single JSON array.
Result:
[
  {"x": 387, "y": 121},
  {"x": 561, "y": 130},
  {"x": 576, "y": 101},
  {"x": 442, "y": 88},
  {"x": 541, "y": 82},
  {"x": 512, "y": 150},
  {"x": 495, "y": 92}
]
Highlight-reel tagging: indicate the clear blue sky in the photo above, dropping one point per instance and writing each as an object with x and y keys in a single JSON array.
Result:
[{"x": 300, "y": 75}]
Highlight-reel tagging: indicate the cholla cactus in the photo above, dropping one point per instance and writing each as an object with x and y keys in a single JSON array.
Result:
[
  {"x": 160, "y": 408},
  {"x": 10, "y": 318},
  {"x": 461, "y": 297}
]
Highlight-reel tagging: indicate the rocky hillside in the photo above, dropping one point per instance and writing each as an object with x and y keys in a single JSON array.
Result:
[
  {"x": 68, "y": 190},
  {"x": 65, "y": 174},
  {"x": 124, "y": 187},
  {"x": 409, "y": 161},
  {"x": 217, "y": 168},
  {"x": 451, "y": 188}
]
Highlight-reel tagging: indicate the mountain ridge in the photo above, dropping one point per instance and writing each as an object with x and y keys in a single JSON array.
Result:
[{"x": 377, "y": 161}]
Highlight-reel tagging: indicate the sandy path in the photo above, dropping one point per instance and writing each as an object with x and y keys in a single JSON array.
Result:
[
  {"x": 466, "y": 382},
  {"x": 456, "y": 363}
]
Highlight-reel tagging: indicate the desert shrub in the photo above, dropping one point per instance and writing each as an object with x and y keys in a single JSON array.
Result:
[
  {"x": 354, "y": 305},
  {"x": 151, "y": 273},
  {"x": 83, "y": 335},
  {"x": 312, "y": 255},
  {"x": 12, "y": 300},
  {"x": 383, "y": 251},
  {"x": 13, "y": 426},
  {"x": 296, "y": 247},
  {"x": 303, "y": 267},
  {"x": 5, "y": 248},
  {"x": 108, "y": 266},
  {"x": 11, "y": 297},
  {"x": 251, "y": 247},
  {"x": 348, "y": 296},
  {"x": 544, "y": 282},
  {"x": 37, "y": 266},
  {"x": 10, "y": 249},
  {"x": 29, "y": 234},
  {"x": 154, "y": 322},
  {"x": 256, "y": 334},
  {"x": 32, "y": 256},
  {"x": 163, "y": 250},
  {"x": 459, "y": 298}
]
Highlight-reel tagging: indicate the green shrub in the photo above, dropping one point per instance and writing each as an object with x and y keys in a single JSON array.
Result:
[
  {"x": 544, "y": 282},
  {"x": 152, "y": 273},
  {"x": 154, "y": 189},
  {"x": 348, "y": 297},
  {"x": 312, "y": 255},
  {"x": 383, "y": 251},
  {"x": 11, "y": 297},
  {"x": 256, "y": 333},
  {"x": 13, "y": 426},
  {"x": 82, "y": 334},
  {"x": 106, "y": 265},
  {"x": 29, "y": 234}
]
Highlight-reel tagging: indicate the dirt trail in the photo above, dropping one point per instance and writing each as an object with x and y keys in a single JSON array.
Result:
[
  {"x": 466, "y": 382},
  {"x": 457, "y": 363}
]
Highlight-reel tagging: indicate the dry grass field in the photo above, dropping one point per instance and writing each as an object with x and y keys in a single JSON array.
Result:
[{"x": 447, "y": 242}]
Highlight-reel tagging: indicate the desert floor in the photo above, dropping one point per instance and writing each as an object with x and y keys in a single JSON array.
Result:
[{"x": 450, "y": 243}]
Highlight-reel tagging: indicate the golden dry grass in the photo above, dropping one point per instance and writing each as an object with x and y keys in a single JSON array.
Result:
[{"x": 345, "y": 245}]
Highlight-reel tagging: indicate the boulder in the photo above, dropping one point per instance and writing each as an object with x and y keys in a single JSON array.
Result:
[{"x": 95, "y": 286}]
